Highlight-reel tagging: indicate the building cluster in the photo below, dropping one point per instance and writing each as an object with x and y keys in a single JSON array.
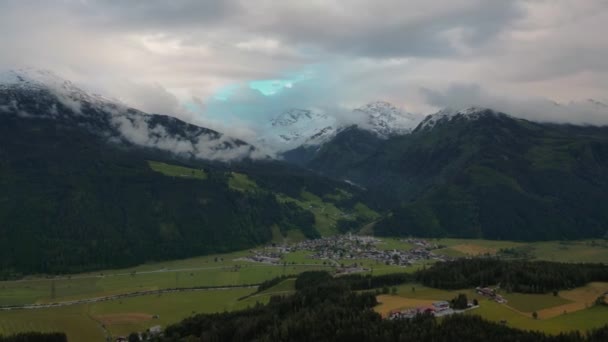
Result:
[
  {"x": 438, "y": 309},
  {"x": 347, "y": 247},
  {"x": 422, "y": 243},
  {"x": 266, "y": 256},
  {"x": 490, "y": 293}
]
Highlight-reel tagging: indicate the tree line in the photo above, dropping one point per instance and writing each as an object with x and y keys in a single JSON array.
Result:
[{"x": 513, "y": 275}]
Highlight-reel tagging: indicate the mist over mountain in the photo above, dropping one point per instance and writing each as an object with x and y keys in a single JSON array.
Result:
[
  {"x": 40, "y": 94},
  {"x": 407, "y": 165}
]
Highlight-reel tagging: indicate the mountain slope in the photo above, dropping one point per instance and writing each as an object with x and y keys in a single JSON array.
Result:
[
  {"x": 386, "y": 120},
  {"x": 77, "y": 192},
  {"x": 299, "y": 127},
  {"x": 479, "y": 173},
  {"x": 32, "y": 93}
]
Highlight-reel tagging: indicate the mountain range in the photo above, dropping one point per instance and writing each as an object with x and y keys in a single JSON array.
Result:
[
  {"x": 311, "y": 128},
  {"x": 87, "y": 182},
  {"x": 480, "y": 173}
]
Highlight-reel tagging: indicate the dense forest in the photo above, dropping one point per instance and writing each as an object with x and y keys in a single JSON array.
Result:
[
  {"x": 70, "y": 202},
  {"x": 515, "y": 275},
  {"x": 327, "y": 309},
  {"x": 35, "y": 337}
]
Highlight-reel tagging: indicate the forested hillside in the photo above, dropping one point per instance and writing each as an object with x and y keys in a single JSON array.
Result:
[
  {"x": 491, "y": 176},
  {"x": 70, "y": 201}
]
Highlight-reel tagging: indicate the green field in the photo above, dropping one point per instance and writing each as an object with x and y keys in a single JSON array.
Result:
[
  {"x": 559, "y": 251},
  {"x": 82, "y": 322},
  {"x": 517, "y": 312},
  {"x": 120, "y": 317},
  {"x": 326, "y": 213},
  {"x": 177, "y": 171},
  {"x": 533, "y": 302},
  {"x": 241, "y": 182},
  {"x": 202, "y": 271},
  {"x": 226, "y": 269}
]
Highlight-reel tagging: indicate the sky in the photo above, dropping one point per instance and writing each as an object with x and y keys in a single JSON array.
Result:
[{"x": 232, "y": 64}]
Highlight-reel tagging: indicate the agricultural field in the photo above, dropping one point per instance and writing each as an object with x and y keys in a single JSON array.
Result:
[
  {"x": 241, "y": 182},
  {"x": 177, "y": 171},
  {"x": 570, "y": 310},
  {"x": 559, "y": 251},
  {"x": 326, "y": 213},
  {"x": 86, "y": 322},
  {"x": 215, "y": 270}
]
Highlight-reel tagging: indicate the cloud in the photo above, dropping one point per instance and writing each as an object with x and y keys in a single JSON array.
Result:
[
  {"x": 159, "y": 55},
  {"x": 584, "y": 112},
  {"x": 138, "y": 130}
]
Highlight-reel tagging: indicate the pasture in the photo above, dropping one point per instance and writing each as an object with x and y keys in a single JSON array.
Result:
[
  {"x": 92, "y": 322},
  {"x": 570, "y": 310},
  {"x": 558, "y": 251},
  {"x": 177, "y": 171},
  {"x": 215, "y": 270}
]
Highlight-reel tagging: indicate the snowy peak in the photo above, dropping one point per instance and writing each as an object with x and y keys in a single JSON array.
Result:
[
  {"x": 449, "y": 114},
  {"x": 310, "y": 127},
  {"x": 296, "y": 127},
  {"x": 32, "y": 78},
  {"x": 295, "y": 116},
  {"x": 41, "y": 81},
  {"x": 385, "y": 119},
  {"x": 31, "y": 93}
]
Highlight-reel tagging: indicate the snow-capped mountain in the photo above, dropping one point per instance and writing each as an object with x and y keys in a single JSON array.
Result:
[
  {"x": 299, "y": 127},
  {"x": 303, "y": 127},
  {"x": 449, "y": 114},
  {"x": 386, "y": 120},
  {"x": 40, "y": 94}
]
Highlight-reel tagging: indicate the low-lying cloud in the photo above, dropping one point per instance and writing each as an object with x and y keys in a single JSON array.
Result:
[{"x": 583, "y": 112}]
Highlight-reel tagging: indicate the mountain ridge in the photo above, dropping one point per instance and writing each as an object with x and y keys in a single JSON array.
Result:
[{"x": 31, "y": 93}]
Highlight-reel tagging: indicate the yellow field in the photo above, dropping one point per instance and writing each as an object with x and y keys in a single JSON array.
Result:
[
  {"x": 582, "y": 298},
  {"x": 471, "y": 249},
  {"x": 580, "y": 314},
  {"x": 391, "y": 303}
]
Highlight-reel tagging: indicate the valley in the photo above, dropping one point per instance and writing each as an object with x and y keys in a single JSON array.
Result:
[
  {"x": 127, "y": 314},
  {"x": 115, "y": 221}
]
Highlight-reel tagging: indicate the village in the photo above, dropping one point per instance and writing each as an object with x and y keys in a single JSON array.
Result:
[{"x": 338, "y": 249}]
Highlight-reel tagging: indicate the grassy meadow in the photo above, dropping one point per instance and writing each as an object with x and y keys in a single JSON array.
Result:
[{"x": 569, "y": 310}]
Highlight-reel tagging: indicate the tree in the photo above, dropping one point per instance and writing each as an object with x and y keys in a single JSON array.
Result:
[
  {"x": 394, "y": 291},
  {"x": 535, "y": 315},
  {"x": 475, "y": 302},
  {"x": 461, "y": 302}
]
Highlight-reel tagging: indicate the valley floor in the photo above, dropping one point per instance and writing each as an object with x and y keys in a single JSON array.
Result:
[{"x": 95, "y": 321}]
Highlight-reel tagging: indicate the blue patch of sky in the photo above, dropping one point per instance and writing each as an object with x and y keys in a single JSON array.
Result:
[{"x": 226, "y": 104}]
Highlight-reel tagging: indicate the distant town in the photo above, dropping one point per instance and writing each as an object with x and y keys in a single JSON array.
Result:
[{"x": 335, "y": 250}]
